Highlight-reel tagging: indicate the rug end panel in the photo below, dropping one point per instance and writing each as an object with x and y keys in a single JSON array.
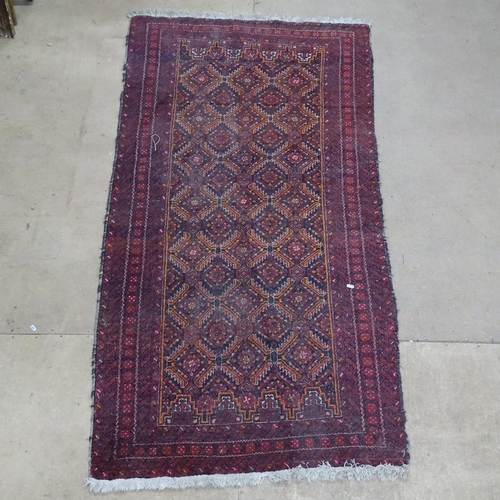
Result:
[
  {"x": 246, "y": 17},
  {"x": 325, "y": 472}
]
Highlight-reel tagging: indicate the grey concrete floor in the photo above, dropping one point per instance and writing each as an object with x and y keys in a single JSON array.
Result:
[{"x": 437, "y": 120}]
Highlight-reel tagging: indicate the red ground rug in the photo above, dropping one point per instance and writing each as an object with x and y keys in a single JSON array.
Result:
[{"x": 246, "y": 326}]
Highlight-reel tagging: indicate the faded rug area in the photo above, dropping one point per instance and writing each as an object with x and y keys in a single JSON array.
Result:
[{"x": 246, "y": 326}]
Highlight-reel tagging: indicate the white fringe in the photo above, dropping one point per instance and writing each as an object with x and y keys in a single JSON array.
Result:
[
  {"x": 246, "y": 17},
  {"x": 325, "y": 472}
]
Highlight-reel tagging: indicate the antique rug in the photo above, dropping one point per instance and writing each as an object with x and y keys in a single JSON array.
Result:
[{"x": 246, "y": 326}]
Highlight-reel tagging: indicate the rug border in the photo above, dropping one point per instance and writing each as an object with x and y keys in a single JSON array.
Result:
[
  {"x": 103, "y": 251},
  {"x": 325, "y": 472},
  {"x": 246, "y": 17}
]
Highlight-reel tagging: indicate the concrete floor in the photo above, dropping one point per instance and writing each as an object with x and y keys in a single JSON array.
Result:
[{"x": 437, "y": 120}]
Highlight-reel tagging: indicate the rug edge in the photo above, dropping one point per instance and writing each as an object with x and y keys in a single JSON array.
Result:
[
  {"x": 324, "y": 472},
  {"x": 246, "y": 17},
  {"x": 103, "y": 252}
]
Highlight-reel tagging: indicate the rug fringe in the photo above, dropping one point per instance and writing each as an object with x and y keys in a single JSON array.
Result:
[
  {"x": 246, "y": 17},
  {"x": 325, "y": 472}
]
